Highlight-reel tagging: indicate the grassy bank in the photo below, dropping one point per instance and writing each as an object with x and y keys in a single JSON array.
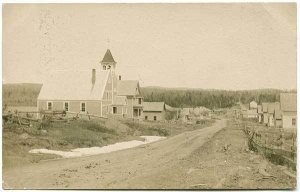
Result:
[{"x": 18, "y": 140}]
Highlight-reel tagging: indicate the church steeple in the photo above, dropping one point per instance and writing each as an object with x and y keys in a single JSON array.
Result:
[{"x": 108, "y": 61}]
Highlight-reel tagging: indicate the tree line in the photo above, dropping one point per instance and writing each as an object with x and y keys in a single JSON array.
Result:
[
  {"x": 211, "y": 99},
  {"x": 23, "y": 94},
  {"x": 26, "y": 95}
]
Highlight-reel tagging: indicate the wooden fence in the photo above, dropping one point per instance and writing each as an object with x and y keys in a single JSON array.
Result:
[
  {"x": 26, "y": 117},
  {"x": 278, "y": 155}
]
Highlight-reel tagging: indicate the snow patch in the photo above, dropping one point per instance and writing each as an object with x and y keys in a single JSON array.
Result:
[{"x": 79, "y": 152}]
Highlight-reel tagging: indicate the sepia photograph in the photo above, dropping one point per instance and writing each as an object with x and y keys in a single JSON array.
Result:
[{"x": 139, "y": 96}]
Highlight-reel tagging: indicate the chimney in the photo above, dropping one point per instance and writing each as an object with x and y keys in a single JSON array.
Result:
[
  {"x": 93, "y": 76},
  {"x": 120, "y": 77}
]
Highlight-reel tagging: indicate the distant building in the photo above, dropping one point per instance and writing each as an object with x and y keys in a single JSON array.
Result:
[
  {"x": 154, "y": 111},
  {"x": 99, "y": 92},
  {"x": 259, "y": 113},
  {"x": 278, "y": 117},
  {"x": 271, "y": 113},
  {"x": 250, "y": 114},
  {"x": 265, "y": 116},
  {"x": 288, "y": 104},
  {"x": 252, "y": 105}
]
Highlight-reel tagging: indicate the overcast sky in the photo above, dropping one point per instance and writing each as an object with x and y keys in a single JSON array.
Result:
[{"x": 220, "y": 46}]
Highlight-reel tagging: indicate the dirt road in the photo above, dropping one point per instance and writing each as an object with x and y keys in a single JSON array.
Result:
[{"x": 193, "y": 159}]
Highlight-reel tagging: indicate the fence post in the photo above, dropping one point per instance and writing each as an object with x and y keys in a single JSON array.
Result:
[
  {"x": 265, "y": 141},
  {"x": 282, "y": 139},
  {"x": 293, "y": 146},
  {"x": 88, "y": 115}
]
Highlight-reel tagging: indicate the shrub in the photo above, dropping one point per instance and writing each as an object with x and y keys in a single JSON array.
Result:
[
  {"x": 93, "y": 126},
  {"x": 170, "y": 115},
  {"x": 155, "y": 131},
  {"x": 44, "y": 124}
]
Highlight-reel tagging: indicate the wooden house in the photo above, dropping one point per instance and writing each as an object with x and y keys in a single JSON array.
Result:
[
  {"x": 98, "y": 91},
  {"x": 252, "y": 105},
  {"x": 271, "y": 113},
  {"x": 259, "y": 113},
  {"x": 288, "y": 105},
  {"x": 265, "y": 116},
  {"x": 278, "y": 117},
  {"x": 154, "y": 111}
]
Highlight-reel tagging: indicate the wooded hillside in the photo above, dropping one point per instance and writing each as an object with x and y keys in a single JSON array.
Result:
[
  {"x": 208, "y": 98},
  {"x": 26, "y": 95},
  {"x": 23, "y": 94}
]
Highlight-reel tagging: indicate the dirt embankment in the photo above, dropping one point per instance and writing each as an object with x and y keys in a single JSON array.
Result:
[
  {"x": 213, "y": 157},
  {"x": 18, "y": 140},
  {"x": 225, "y": 162},
  {"x": 112, "y": 170}
]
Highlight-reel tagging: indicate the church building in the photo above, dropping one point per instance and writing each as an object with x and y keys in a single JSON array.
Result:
[{"x": 99, "y": 92}]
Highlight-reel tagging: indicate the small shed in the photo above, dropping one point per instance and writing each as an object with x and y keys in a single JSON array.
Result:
[{"x": 154, "y": 111}]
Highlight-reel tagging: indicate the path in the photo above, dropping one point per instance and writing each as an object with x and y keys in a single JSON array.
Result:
[{"x": 113, "y": 170}]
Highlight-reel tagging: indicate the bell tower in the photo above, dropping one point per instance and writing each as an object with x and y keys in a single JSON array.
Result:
[{"x": 108, "y": 62}]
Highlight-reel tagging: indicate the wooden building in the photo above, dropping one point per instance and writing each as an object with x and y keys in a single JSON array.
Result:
[
  {"x": 288, "y": 104},
  {"x": 98, "y": 91},
  {"x": 154, "y": 111}
]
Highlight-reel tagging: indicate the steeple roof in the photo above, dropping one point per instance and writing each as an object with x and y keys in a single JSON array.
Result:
[{"x": 108, "y": 58}]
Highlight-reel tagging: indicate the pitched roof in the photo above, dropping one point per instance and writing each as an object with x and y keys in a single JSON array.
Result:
[
  {"x": 253, "y": 104},
  {"x": 288, "y": 102},
  {"x": 273, "y": 106},
  {"x": 128, "y": 87},
  {"x": 265, "y": 107},
  {"x": 74, "y": 85},
  {"x": 154, "y": 106},
  {"x": 169, "y": 108},
  {"x": 108, "y": 58}
]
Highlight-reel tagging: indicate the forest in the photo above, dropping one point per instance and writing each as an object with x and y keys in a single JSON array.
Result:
[
  {"x": 26, "y": 95},
  {"x": 211, "y": 99},
  {"x": 21, "y": 94}
]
